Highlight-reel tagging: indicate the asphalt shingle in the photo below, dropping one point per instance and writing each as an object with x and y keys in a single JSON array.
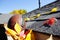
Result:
[{"x": 36, "y": 25}]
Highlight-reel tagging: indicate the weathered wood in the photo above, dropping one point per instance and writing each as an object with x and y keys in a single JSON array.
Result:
[{"x": 43, "y": 36}]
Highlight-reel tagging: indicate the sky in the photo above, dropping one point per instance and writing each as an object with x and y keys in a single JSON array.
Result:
[{"x": 7, "y": 6}]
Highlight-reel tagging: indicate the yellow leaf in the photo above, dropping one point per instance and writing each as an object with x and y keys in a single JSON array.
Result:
[
  {"x": 15, "y": 12},
  {"x": 54, "y": 10},
  {"x": 22, "y": 11},
  {"x": 26, "y": 19},
  {"x": 38, "y": 15},
  {"x": 28, "y": 37},
  {"x": 18, "y": 28},
  {"x": 32, "y": 18}
]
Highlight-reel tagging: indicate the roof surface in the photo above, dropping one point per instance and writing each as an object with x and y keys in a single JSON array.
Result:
[{"x": 37, "y": 25}]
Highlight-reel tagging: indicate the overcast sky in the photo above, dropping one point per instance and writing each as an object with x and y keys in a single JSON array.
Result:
[{"x": 7, "y": 6}]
